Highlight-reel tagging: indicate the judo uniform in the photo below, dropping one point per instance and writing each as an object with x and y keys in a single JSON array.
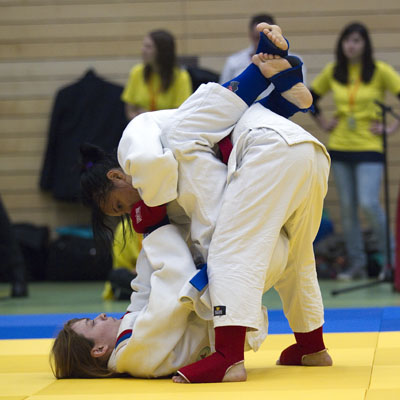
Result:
[
  {"x": 275, "y": 181},
  {"x": 159, "y": 334},
  {"x": 169, "y": 323}
]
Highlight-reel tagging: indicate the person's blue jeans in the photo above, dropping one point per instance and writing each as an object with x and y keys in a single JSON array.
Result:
[{"x": 359, "y": 186}]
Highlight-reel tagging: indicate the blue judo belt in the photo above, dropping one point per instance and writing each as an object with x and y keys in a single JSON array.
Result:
[{"x": 200, "y": 280}]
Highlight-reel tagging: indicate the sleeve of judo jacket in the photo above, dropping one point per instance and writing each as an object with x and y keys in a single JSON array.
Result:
[
  {"x": 153, "y": 169},
  {"x": 164, "y": 266},
  {"x": 192, "y": 134}
]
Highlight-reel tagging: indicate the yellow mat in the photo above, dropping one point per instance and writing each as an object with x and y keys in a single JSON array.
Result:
[{"x": 366, "y": 366}]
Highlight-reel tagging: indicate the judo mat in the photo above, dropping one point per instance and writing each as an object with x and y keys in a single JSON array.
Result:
[{"x": 364, "y": 345}]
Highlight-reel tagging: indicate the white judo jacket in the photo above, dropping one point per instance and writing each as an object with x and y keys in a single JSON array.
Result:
[
  {"x": 145, "y": 153},
  {"x": 169, "y": 323},
  {"x": 159, "y": 334},
  {"x": 172, "y": 155}
]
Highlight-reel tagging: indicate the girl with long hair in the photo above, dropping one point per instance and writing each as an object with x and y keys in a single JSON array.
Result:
[
  {"x": 355, "y": 141},
  {"x": 157, "y": 83}
]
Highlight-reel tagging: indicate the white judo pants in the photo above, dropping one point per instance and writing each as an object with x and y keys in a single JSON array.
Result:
[{"x": 274, "y": 187}]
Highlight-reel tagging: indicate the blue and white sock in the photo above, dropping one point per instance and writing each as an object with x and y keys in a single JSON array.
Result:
[
  {"x": 249, "y": 84},
  {"x": 266, "y": 46},
  {"x": 279, "y": 105}
]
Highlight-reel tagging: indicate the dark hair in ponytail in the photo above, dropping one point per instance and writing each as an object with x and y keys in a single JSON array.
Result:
[{"x": 95, "y": 187}]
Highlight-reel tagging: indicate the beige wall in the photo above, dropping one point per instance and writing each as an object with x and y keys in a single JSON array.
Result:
[{"x": 45, "y": 44}]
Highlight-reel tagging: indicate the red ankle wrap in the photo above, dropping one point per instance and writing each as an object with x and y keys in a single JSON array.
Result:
[
  {"x": 307, "y": 343},
  {"x": 229, "y": 350}
]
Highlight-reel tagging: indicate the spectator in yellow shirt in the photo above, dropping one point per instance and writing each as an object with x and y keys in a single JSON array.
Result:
[
  {"x": 125, "y": 251},
  {"x": 355, "y": 139},
  {"x": 157, "y": 83}
]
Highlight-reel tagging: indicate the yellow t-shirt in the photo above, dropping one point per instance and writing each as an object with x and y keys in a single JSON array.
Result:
[
  {"x": 125, "y": 253},
  {"x": 355, "y": 107},
  {"x": 139, "y": 93}
]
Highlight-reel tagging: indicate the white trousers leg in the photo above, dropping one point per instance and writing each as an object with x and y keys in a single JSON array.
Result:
[{"x": 275, "y": 187}]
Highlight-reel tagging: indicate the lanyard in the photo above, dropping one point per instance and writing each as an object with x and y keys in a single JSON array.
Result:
[
  {"x": 352, "y": 94},
  {"x": 351, "y": 121}
]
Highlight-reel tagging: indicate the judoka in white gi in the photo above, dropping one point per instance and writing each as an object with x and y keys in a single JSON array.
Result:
[
  {"x": 168, "y": 323},
  {"x": 272, "y": 188}
]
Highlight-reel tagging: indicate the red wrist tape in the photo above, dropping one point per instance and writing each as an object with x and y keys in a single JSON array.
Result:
[{"x": 144, "y": 217}]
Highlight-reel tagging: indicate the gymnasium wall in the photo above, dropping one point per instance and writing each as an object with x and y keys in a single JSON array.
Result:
[{"x": 46, "y": 44}]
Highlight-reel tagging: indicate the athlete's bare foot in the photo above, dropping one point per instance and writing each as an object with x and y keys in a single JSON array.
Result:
[
  {"x": 319, "y": 359},
  {"x": 270, "y": 65},
  {"x": 235, "y": 373},
  {"x": 274, "y": 34}
]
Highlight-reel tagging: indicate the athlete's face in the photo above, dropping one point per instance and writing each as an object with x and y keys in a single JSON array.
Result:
[
  {"x": 353, "y": 46},
  {"x": 122, "y": 196},
  {"x": 102, "y": 330}
]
